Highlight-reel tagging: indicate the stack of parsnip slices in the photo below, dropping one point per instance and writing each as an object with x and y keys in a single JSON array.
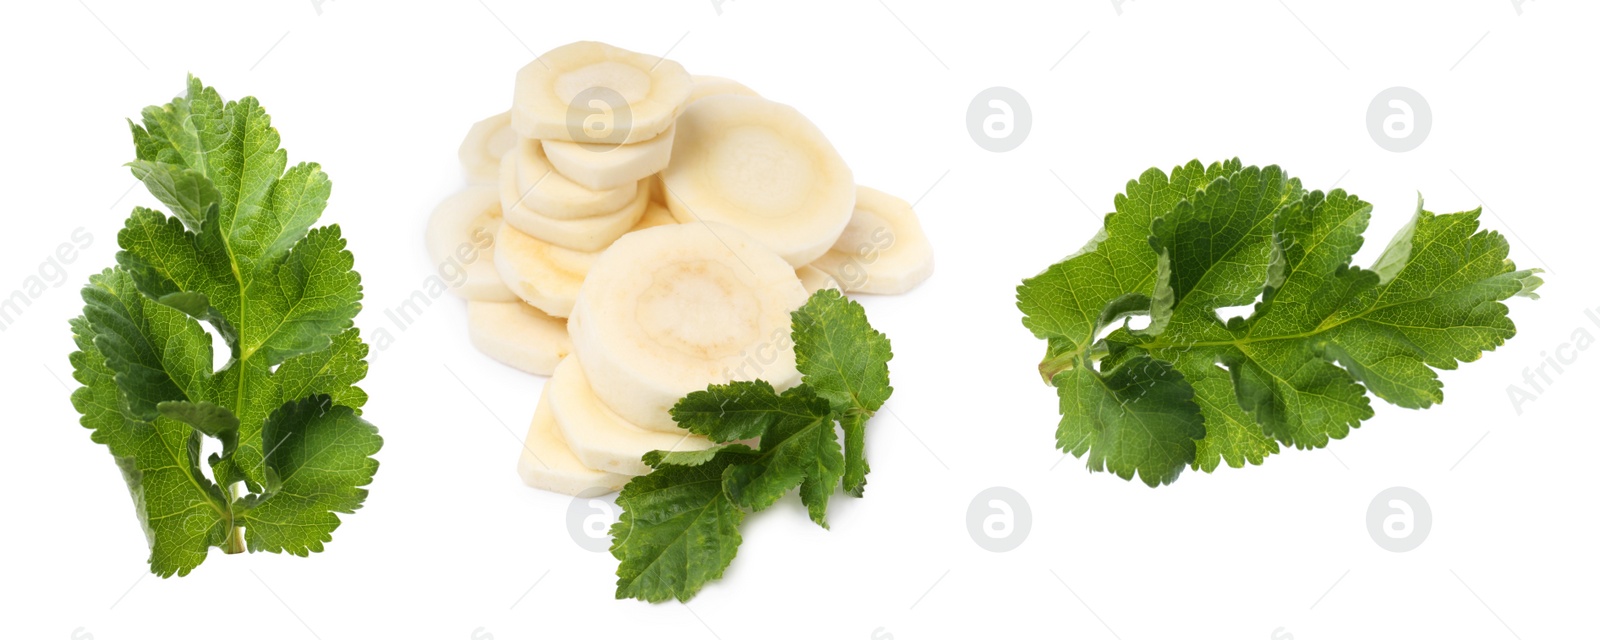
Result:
[{"x": 639, "y": 233}]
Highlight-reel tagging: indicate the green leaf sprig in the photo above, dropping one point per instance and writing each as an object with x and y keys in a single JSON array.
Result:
[
  {"x": 237, "y": 253},
  {"x": 679, "y": 527},
  {"x": 1192, "y": 390}
]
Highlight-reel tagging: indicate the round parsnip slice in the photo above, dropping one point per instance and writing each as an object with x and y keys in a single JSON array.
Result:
[
  {"x": 593, "y": 233},
  {"x": 672, "y": 309},
  {"x": 883, "y": 250},
  {"x": 760, "y": 166},
  {"x": 599, "y": 437},
  {"x": 547, "y": 463},
  {"x": 602, "y": 166},
  {"x": 594, "y": 92},
  {"x": 812, "y": 278},
  {"x": 534, "y": 184},
  {"x": 487, "y": 141},
  {"x": 460, "y": 239},
  {"x": 547, "y": 276},
  {"x": 707, "y": 86},
  {"x": 518, "y": 335}
]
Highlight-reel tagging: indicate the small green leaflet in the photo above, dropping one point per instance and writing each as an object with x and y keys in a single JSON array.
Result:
[
  {"x": 1192, "y": 390},
  {"x": 680, "y": 524},
  {"x": 239, "y": 254}
]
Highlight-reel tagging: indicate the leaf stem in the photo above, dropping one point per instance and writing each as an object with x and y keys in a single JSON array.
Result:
[
  {"x": 234, "y": 542},
  {"x": 1069, "y": 360}
]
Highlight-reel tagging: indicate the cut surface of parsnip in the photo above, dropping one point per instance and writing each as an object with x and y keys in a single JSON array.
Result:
[
  {"x": 546, "y": 275},
  {"x": 547, "y": 463},
  {"x": 672, "y": 309},
  {"x": 594, "y": 92},
  {"x": 599, "y": 437},
  {"x": 487, "y": 141},
  {"x": 460, "y": 239},
  {"x": 707, "y": 86},
  {"x": 518, "y": 335},
  {"x": 883, "y": 250},
  {"x": 763, "y": 167}
]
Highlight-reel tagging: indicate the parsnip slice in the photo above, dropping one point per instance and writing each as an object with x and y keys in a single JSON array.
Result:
[
  {"x": 547, "y": 276},
  {"x": 764, "y": 168},
  {"x": 591, "y": 233},
  {"x": 594, "y": 92},
  {"x": 460, "y": 238},
  {"x": 599, "y": 437},
  {"x": 547, "y": 462},
  {"x": 883, "y": 250},
  {"x": 518, "y": 335},
  {"x": 812, "y": 278},
  {"x": 535, "y": 184},
  {"x": 600, "y": 166},
  {"x": 487, "y": 141},
  {"x": 672, "y": 309},
  {"x": 707, "y": 86}
]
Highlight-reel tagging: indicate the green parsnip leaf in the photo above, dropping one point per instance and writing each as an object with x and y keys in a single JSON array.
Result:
[
  {"x": 320, "y": 458},
  {"x": 845, "y": 361},
  {"x": 1297, "y": 370},
  {"x": 679, "y": 527},
  {"x": 237, "y": 253}
]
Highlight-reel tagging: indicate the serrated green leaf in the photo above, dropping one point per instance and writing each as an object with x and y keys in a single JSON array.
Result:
[
  {"x": 320, "y": 459},
  {"x": 845, "y": 361},
  {"x": 742, "y": 410},
  {"x": 250, "y": 266},
  {"x": 678, "y": 530},
  {"x": 1113, "y": 275},
  {"x": 158, "y": 353},
  {"x": 181, "y": 512},
  {"x": 1297, "y": 370},
  {"x": 1138, "y": 418},
  {"x": 238, "y": 253},
  {"x": 794, "y": 453}
]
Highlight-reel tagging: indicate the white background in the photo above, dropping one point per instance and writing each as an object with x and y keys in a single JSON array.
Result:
[{"x": 451, "y": 545}]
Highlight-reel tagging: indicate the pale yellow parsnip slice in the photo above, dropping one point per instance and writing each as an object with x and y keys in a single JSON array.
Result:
[
  {"x": 487, "y": 141},
  {"x": 547, "y": 462},
  {"x": 764, "y": 168},
  {"x": 707, "y": 86},
  {"x": 547, "y": 276},
  {"x": 601, "y": 166},
  {"x": 518, "y": 335},
  {"x": 591, "y": 233},
  {"x": 460, "y": 239},
  {"x": 599, "y": 437},
  {"x": 595, "y": 92},
  {"x": 673, "y": 309},
  {"x": 536, "y": 185},
  {"x": 883, "y": 250}
]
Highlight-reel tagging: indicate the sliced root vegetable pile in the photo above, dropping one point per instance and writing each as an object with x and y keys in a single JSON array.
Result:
[{"x": 650, "y": 237}]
